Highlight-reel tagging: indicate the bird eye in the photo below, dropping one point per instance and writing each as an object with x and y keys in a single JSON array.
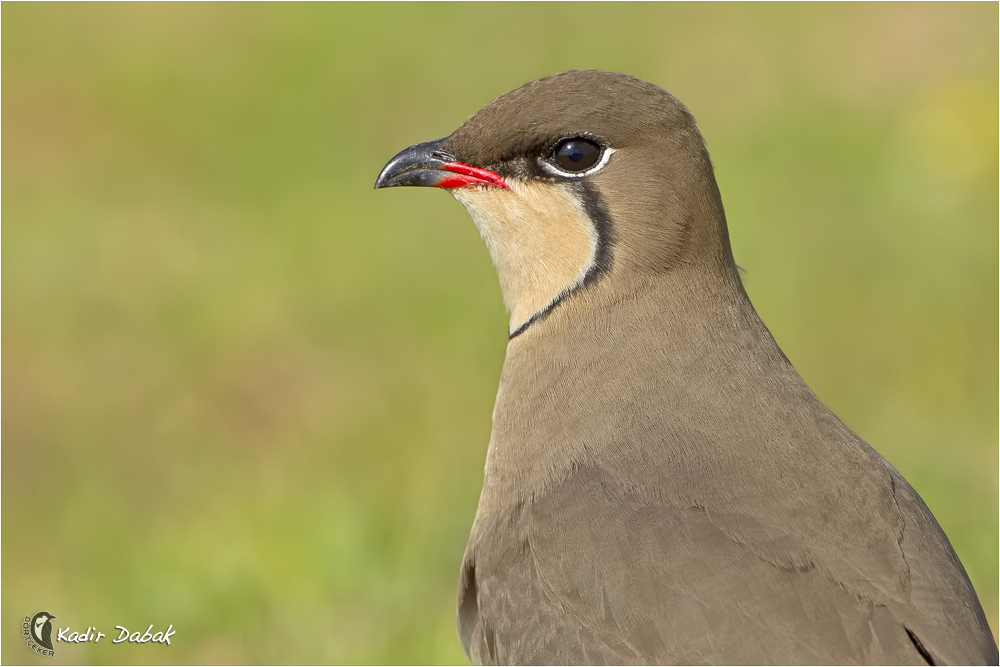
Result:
[{"x": 576, "y": 155}]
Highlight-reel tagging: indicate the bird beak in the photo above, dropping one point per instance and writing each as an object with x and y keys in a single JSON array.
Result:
[{"x": 429, "y": 165}]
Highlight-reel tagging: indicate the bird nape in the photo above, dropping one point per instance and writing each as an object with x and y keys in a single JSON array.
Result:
[{"x": 661, "y": 486}]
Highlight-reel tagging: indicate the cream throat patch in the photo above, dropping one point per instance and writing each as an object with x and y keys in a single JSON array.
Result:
[{"x": 542, "y": 241}]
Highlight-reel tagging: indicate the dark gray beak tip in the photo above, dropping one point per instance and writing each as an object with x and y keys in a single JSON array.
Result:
[
  {"x": 385, "y": 177},
  {"x": 417, "y": 165}
]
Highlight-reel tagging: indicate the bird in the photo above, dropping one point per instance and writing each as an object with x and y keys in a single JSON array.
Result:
[
  {"x": 41, "y": 629},
  {"x": 661, "y": 486}
]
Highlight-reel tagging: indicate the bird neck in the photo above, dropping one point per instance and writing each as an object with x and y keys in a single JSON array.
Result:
[{"x": 656, "y": 356}]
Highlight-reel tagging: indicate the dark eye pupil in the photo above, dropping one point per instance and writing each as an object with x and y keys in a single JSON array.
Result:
[{"x": 577, "y": 154}]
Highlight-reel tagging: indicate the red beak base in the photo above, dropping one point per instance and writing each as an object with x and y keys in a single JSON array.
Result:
[{"x": 468, "y": 175}]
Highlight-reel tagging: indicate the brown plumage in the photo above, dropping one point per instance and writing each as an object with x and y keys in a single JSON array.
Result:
[{"x": 661, "y": 486}]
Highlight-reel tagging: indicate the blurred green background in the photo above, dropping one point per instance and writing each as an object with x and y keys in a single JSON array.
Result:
[{"x": 246, "y": 395}]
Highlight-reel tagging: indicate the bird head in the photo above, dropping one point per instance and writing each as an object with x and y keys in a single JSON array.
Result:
[{"x": 575, "y": 179}]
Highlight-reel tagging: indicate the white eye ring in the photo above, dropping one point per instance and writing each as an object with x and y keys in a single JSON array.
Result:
[{"x": 556, "y": 171}]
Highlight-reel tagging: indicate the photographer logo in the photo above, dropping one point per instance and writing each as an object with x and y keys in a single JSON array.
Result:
[{"x": 37, "y": 631}]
